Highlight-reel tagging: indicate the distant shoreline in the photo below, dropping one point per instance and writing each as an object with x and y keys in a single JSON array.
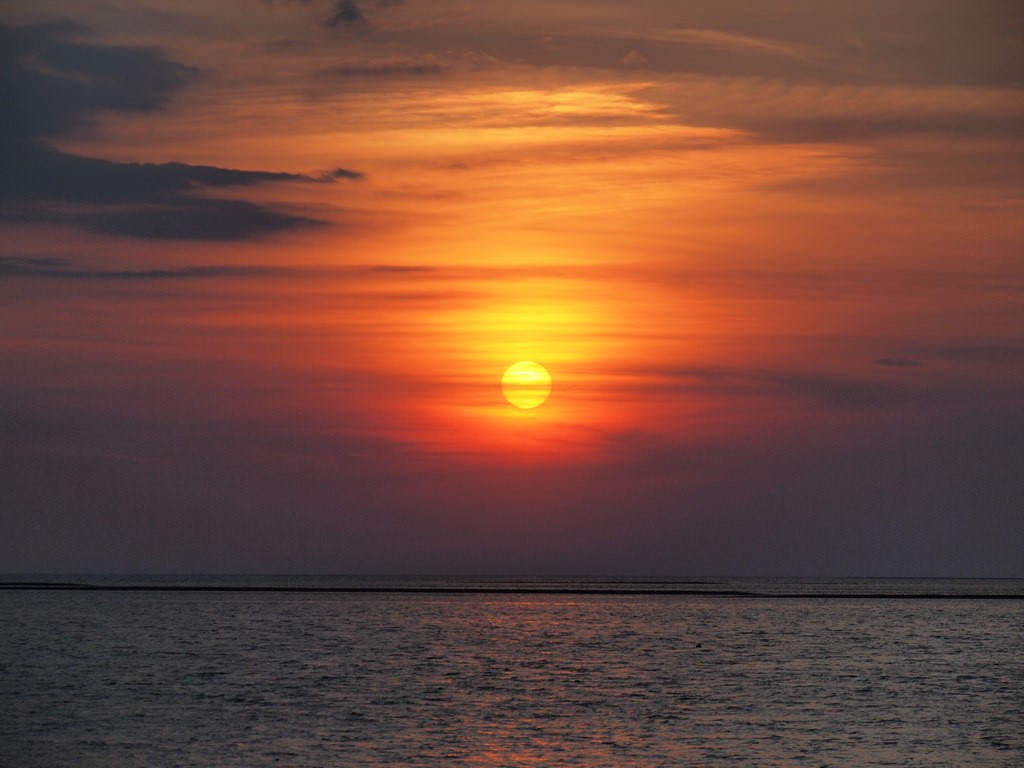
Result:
[{"x": 30, "y": 586}]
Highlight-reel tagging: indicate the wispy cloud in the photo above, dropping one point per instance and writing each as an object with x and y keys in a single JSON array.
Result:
[
  {"x": 831, "y": 391},
  {"x": 943, "y": 42},
  {"x": 386, "y": 68},
  {"x": 777, "y": 110},
  {"x": 46, "y": 267},
  {"x": 734, "y": 42},
  {"x": 62, "y": 269}
]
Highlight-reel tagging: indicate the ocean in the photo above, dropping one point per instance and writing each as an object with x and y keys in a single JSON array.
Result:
[{"x": 132, "y": 671}]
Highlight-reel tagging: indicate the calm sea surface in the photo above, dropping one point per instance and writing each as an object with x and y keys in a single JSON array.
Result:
[{"x": 607, "y": 675}]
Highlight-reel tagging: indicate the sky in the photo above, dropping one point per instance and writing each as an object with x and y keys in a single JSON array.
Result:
[{"x": 263, "y": 264}]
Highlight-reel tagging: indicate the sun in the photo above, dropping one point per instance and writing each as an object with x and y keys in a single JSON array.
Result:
[{"x": 526, "y": 384}]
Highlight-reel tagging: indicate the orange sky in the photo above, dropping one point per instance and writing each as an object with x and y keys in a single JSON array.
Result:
[{"x": 770, "y": 255}]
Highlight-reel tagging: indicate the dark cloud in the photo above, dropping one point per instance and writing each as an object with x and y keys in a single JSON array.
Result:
[
  {"x": 37, "y": 172},
  {"x": 194, "y": 219},
  {"x": 346, "y": 13},
  {"x": 51, "y": 84},
  {"x": 142, "y": 200},
  {"x": 345, "y": 173},
  {"x": 45, "y": 267},
  {"x": 62, "y": 269}
]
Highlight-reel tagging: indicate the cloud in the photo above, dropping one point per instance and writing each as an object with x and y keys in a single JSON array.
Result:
[
  {"x": 838, "y": 392},
  {"x": 60, "y": 84},
  {"x": 386, "y": 68},
  {"x": 780, "y": 111},
  {"x": 62, "y": 269},
  {"x": 914, "y": 42},
  {"x": 45, "y": 267},
  {"x": 38, "y": 172},
  {"x": 690, "y": 51},
  {"x": 194, "y": 219},
  {"x": 346, "y": 13},
  {"x": 733, "y": 43},
  {"x": 345, "y": 173},
  {"x": 823, "y": 390}
]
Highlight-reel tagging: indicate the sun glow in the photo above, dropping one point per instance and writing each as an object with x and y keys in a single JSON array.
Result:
[{"x": 526, "y": 384}]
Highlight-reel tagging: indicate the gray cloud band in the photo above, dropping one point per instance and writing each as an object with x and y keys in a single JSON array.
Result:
[{"x": 52, "y": 84}]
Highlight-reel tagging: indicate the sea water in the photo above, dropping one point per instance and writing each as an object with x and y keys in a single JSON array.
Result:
[{"x": 587, "y": 673}]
